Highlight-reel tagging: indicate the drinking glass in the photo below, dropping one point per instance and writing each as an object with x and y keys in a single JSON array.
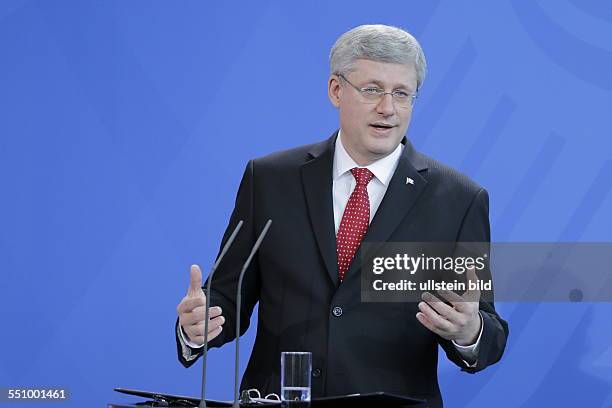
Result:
[{"x": 296, "y": 367}]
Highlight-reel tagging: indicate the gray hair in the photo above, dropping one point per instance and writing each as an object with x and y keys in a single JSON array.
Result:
[{"x": 381, "y": 43}]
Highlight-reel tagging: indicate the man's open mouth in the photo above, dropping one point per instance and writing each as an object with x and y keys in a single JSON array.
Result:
[{"x": 381, "y": 125}]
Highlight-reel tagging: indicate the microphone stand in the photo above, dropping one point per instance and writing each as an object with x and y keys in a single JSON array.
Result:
[
  {"x": 262, "y": 235},
  {"x": 207, "y": 312}
]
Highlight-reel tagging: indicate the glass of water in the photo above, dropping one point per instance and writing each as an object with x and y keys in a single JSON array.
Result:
[{"x": 296, "y": 367}]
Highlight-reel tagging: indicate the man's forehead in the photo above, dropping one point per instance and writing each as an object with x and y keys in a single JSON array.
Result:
[{"x": 385, "y": 73}]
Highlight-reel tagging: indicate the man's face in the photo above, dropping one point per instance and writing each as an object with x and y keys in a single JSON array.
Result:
[{"x": 372, "y": 130}]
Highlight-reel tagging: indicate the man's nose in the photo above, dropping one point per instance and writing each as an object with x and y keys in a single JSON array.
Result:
[{"x": 385, "y": 106}]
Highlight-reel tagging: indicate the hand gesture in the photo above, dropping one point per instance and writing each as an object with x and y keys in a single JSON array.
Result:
[
  {"x": 460, "y": 321},
  {"x": 191, "y": 311}
]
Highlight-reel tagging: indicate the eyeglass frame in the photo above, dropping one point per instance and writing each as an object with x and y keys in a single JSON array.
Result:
[{"x": 381, "y": 94}]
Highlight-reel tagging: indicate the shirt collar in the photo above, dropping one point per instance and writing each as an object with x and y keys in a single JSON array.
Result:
[{"x": 382, "y": 169}]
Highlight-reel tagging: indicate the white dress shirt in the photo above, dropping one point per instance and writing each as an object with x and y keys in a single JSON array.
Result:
[
  {"x": 344, "y": 182},
  {"x": 343, "y": 185}
]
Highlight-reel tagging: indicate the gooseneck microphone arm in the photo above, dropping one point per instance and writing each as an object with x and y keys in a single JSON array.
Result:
[
  {"x": 227, "y": 245},
  {"x": 262, "y": 235}
]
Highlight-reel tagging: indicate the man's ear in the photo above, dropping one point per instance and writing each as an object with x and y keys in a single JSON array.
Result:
[{"x": 334, "y": 90}]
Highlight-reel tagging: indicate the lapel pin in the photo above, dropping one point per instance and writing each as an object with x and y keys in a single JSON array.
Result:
[{"x": 409, "y": 181}]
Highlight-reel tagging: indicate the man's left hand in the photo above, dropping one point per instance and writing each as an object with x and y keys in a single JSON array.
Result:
[{"x": 459, "y": 322}]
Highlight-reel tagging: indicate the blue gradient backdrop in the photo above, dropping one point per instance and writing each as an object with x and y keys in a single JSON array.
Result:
[{"x": 125, "y": 127}]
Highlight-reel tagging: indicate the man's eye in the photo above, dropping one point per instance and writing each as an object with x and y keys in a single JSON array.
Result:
[
  {"x": 401, "y": 94},
  {"x": 372, "y": 91}
]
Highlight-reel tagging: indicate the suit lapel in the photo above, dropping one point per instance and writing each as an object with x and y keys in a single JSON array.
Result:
[
  {"x": 317, "y": 182},
  {"x": 400, "y": 197}
]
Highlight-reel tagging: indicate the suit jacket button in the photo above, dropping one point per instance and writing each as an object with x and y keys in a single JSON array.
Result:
[
  {"x": 316, "y": 373},
  {"x": 337, "y": 311}
]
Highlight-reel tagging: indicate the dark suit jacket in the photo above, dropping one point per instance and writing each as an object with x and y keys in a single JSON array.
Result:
[{"x": 371, "y": 346}]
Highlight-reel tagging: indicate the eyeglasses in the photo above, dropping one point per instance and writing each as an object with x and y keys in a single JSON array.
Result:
[{"x": 374, "y": 95}]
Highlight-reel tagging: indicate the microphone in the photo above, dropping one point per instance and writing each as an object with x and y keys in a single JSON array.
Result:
[
  {"x": 261, "y": 237},
  {"x": 227, "y": 245}
]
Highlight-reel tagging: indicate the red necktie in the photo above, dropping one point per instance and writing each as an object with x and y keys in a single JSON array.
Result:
[{"x": 355, "y": 221}]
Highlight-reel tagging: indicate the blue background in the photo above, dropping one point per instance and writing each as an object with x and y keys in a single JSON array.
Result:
[{"x": 125, "y": 127}]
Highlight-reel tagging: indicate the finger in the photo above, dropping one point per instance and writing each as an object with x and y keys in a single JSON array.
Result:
[
  {"x": 458, "y": 302},
  {"x": 429, "y": 324},
  {"x": 215, "y": 333},
  {"x": 191, "y": 318},
  {"x": 446, "y": 311},
  {"x": 190, "y": 303},
  {"x": 211, "y": 336},
  {"x": 214, "y": 312},
  {"x": 193, "y": 332},
  {"x": 197, "y": 315},
  {"x": 474, "y": 294},
  {"x": 438, "y": 321},
  {"x": 198, "y": 329},
  {"x": 195, "y": 281},
  {"x": 215, "y": 323},
  {"x": 200, "y": 312}
]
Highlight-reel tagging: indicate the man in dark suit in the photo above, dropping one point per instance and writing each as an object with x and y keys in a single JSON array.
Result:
[{"x": 366, "y": 183}]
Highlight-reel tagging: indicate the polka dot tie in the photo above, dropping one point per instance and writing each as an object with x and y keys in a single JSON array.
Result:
[{"x": 355, "y": 221}]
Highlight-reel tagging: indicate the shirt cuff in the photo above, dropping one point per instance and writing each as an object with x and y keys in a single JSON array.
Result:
[
  {"x": 470, "y": 353},
  {"x": 186, "y": 345}
]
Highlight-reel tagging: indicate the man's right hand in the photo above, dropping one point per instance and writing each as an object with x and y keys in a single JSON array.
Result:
[{"x": 191, "y": 311}]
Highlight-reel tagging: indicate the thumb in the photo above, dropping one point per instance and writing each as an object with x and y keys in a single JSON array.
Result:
[{"x": 195, "y": 281}]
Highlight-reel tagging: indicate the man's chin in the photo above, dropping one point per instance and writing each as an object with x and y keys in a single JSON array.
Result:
[{"x": 383, "y": 146}]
